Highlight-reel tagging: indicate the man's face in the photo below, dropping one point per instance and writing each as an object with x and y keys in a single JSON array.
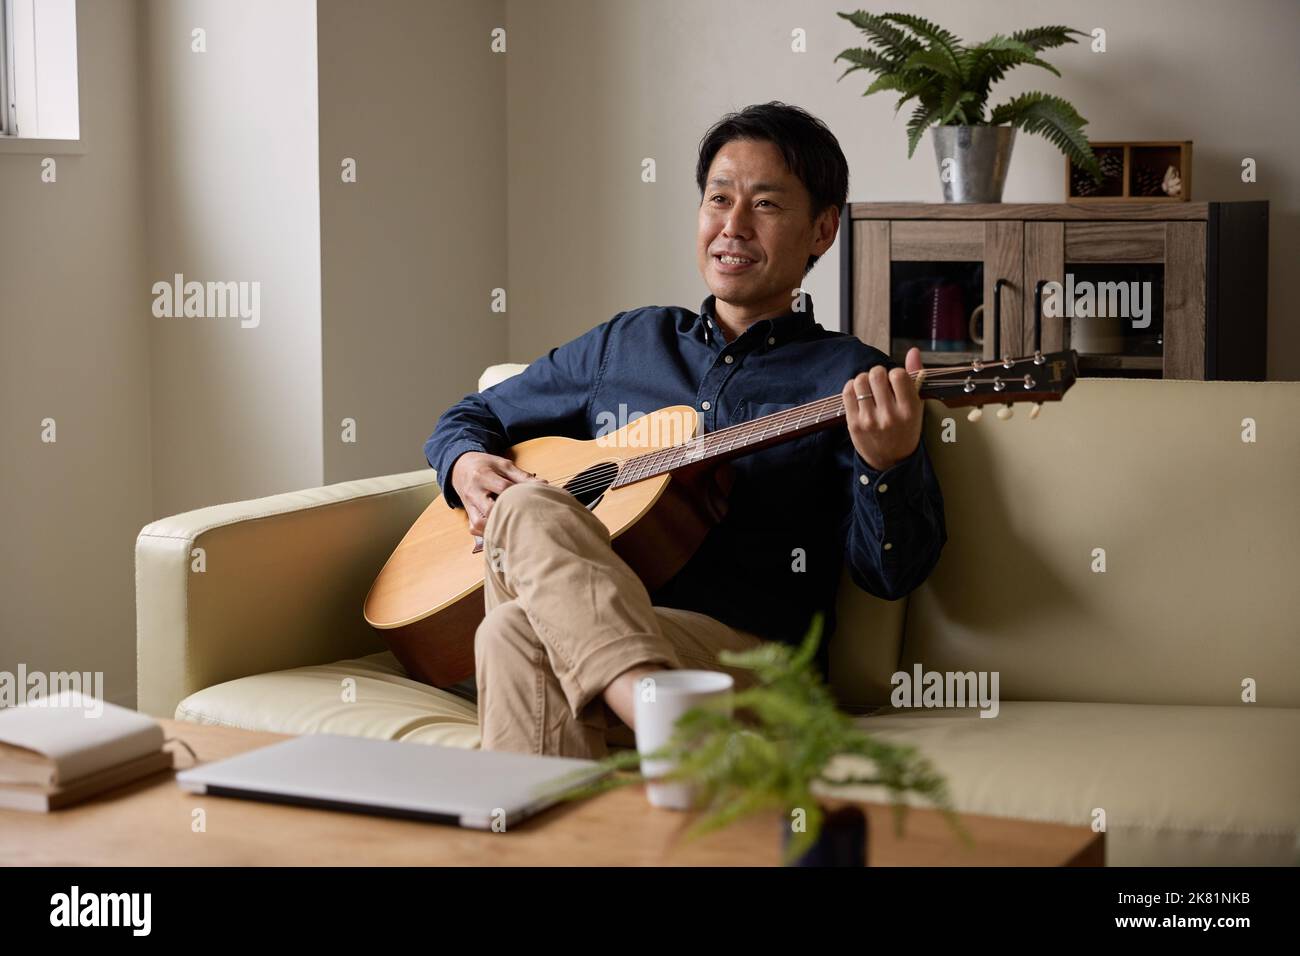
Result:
[{"x": 756, "y": 209}]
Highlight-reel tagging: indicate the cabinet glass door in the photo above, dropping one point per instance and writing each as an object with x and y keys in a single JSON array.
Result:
[
  {"x": 1128, "y": 297},
  {"x": 932, "y": 283},
  {"x": 939, "y": 308}
]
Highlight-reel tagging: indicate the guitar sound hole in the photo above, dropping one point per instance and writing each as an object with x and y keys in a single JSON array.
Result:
[{"x": 590, "y": 486}]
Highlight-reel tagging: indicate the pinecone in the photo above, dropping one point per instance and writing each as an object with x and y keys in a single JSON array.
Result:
[
  {"x": 1112, "y": 165},
  {"x": 1148, "y": 182},
  {"x": 1081, "y": 184},
  {"x": 1112, "y": 171}
]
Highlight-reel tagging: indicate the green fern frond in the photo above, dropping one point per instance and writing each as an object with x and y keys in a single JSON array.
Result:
[
  {"x": 890, "y": 81},
  {"x": 862, "y": 59},
  {"x": 934, "y": 60},
  {"x": 923, "y": 117},
  {"x": 946, "y": 43},
  {"x": 1046, "y": 38},
  {"x": 892, "y": 41},
  {"x": 954, "y": 97},
  {"x": 923, "y": 87},
  {"x": 1053, "y": 118}
]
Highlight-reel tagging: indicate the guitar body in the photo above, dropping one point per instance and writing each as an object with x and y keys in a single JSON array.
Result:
[{"x": 427, "y": 601}]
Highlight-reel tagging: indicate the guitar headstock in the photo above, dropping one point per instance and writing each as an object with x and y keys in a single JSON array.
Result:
[{"x": 1007, "y": 381}]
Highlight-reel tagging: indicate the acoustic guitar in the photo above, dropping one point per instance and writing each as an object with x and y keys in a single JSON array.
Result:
[{"x": 656, "y": 484}]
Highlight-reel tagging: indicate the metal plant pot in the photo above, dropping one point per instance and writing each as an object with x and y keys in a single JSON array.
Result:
[{"x": 979, "y": 158}]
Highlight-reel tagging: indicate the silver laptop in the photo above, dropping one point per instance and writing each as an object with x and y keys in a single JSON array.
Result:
[{"x": 469, "y": 788}]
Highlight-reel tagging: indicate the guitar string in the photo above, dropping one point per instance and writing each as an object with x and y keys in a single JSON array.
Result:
[
  {"x": 708, "y": 442},
  {"x": 677, "y": 456}
]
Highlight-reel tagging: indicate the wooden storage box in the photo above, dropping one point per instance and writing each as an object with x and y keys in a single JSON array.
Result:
[{"x": 1140, "y": 163}]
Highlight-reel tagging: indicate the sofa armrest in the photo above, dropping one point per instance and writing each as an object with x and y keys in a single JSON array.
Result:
[{"x": 267, "y": 584}]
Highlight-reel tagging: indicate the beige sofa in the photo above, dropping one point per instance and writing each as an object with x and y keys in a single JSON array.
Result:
[{"x": 1121, "y": 690}]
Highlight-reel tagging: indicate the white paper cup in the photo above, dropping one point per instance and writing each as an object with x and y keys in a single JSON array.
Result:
[{"x": 662, "y": 698}]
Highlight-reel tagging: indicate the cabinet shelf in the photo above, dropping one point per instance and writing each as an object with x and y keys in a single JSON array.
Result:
[{"x": 914, "y": 274}]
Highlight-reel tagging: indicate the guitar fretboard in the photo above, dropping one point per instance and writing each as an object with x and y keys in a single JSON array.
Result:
[{"x": 735, "y": 440}]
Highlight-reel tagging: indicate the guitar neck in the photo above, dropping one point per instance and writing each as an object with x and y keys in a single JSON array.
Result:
[
  {"x": 737, "y": 440},
  {"x": 1036, "y": 378}
]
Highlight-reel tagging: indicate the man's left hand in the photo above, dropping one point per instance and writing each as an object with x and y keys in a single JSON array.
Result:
[{"x": 885, "y": 423}]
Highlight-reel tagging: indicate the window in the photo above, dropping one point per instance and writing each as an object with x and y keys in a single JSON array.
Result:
[{"x": 38, "y": 69}]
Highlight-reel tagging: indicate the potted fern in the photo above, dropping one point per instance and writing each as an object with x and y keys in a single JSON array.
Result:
[
  {"x": 764, "y": 748},
  {"x": 951, "y": 82}
]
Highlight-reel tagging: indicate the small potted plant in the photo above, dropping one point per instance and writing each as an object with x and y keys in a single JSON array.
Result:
[
  {"x": 763, "y": 748},
  {"x": 950, "y": 83}
]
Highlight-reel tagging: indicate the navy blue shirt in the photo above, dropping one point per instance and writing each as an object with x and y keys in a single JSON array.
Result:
[{"x": 796, "y": 512}]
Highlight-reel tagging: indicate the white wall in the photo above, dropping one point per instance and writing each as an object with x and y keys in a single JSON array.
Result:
[
  {"x": 595, "y": 86},
  {"x": 233, "y": 195},
  {"x": 74, "y": 347}
]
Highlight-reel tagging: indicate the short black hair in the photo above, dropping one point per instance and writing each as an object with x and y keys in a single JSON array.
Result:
[{"x": 811, "y": 151}]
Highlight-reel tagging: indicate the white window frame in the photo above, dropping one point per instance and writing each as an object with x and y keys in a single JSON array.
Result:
[
  {"x": 7, "y": 106},
  {"x": 39, "y": 81}
]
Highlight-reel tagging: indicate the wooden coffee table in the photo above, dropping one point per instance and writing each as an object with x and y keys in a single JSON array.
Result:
[{"x": 149, "y": 823}]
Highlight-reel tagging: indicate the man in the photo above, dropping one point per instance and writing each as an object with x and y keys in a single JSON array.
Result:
[{"x": 570, "y": 630}]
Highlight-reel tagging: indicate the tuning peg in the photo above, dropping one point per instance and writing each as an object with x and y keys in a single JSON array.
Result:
[
  {"x": 976, "y": 414},
  {"x": 1033, "y": 412},
  {"x": 1005, "y": 412}
]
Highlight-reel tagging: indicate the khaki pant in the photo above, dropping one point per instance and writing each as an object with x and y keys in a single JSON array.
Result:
[{"x": 565, "y": 616}]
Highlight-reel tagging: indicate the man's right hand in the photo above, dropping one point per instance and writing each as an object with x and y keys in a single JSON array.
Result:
[{"x": 478, "y": 478}]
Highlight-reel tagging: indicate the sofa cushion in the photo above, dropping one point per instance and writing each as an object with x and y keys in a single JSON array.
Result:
[
  {"x": 385, "y": 704},
  {"x": 1180, "y": 785},
  {"x": 310, "y": 700}
]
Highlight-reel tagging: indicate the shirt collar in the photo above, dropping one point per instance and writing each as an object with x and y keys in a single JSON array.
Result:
[{"x": 782, "y": 328}]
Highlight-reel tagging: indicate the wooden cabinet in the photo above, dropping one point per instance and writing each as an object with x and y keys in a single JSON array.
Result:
[{"x": 1139, "y": 290}]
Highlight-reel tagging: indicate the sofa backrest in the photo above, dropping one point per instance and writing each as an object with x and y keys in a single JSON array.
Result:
[
  {"x": 1198, "y": 533},
  {"x": 1198, "y": 529}
]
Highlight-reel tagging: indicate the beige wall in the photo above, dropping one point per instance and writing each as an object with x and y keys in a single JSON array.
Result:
[
  {"x": 74, "y": 347},
  {"x": 233, "y": 195},
  {"x": 595, "y": 86},
  {"x": 410, "y": 251}
]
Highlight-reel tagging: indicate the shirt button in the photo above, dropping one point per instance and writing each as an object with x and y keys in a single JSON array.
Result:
[
  {"x": 704, "y": 405},
  {"x": 771, "y": 341},
  {"x": 882, "y": 487},
  {"x": 887, "y": 545},
  {"x": 709, "y": 323},
  {"x": 729, "y": 359},
  {"x": 864, "y": 479}
]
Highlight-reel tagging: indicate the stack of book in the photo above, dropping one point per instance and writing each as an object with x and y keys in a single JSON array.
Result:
[{"x": 63, "y": 749}]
